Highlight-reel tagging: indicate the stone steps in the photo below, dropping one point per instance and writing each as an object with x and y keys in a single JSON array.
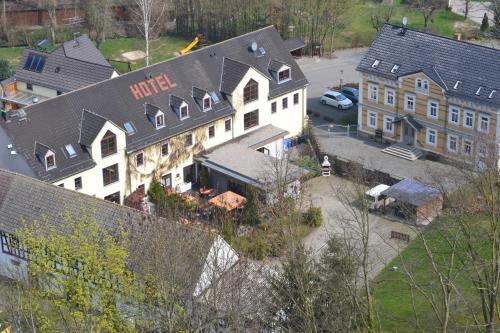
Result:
[{"x": 406, "y": 152}]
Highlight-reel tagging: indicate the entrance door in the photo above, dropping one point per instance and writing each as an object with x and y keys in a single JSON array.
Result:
[{"x": 409, "y": 135}]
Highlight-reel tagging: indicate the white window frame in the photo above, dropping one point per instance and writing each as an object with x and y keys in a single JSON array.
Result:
[
  {"x": 369, "y": 114},
  {"x": 428, "y": 135},
  {"x": 450, "y": 116},
  {"x": 429, "y": 108},
  {"x": 47, "y": 155},
  {"x": 386, "y": 96},
  {"x": 422, "y": 85},
  {"x": 480, "y": 122},
  {"x": 283, "y": 69},
  {"x": 469, "y": 112},
  {"x": 372, "y": 87},
  {"x": 407, "y": 95},
  {"x": 209, "y": 103},
  {"x": 448, "y": 141},
  {"x": 388, "y": 120},
  {"x": 465, "y": 141},
  {"x": 158, "y": 115}
]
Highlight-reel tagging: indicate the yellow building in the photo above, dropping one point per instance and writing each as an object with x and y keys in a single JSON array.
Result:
[{"x": 431, "y": 95}]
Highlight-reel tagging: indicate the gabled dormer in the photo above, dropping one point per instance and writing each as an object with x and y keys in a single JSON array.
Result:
[
  {"x": 180, "y": 107},
  {"x": 155, "y": 115},
  {"x": 280, "y": 71},
  {"x": 202, "y": 98},
  {"x": 45, "y": 155}
]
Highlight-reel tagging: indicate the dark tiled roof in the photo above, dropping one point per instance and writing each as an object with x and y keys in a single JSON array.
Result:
[
  {"x": 90, "y": 126},
  {"x": 232, "y": 73},
  {"x": 151, "y": 110},
  {"x": 294, "y": 44},
  {"x": 41, "y": 150},
  {"x": 275, "y": 65},
  {"x": 67, "y": 68},
  {"x": 198, "y": 93},
  {"x": 444, "y": 60},
  {"x": 55, "y": 122},
  {"x": 175, "y": 101}
]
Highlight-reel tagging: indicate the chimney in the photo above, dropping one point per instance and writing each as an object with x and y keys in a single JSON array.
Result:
[{"x": 457, "y": 36}]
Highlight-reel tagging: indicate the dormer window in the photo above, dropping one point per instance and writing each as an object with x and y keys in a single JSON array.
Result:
[
  {"x": 159, "y": 121},
  {"x": 457, "y": 84},
  {"x": 284, "y": 75},
  {"x": 50, "y": 160},
  {"x": 207, "y": 103},
  {"x": 394, "y": 69},
  {"x": 478, "y": 92},
  {"x": 184, "y": 112},
  {"x": 376, "y": 63}
]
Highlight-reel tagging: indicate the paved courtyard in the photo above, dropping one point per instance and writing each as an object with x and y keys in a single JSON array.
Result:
[
  {"x": 368, "y": 153},
  {"x": 323, "y": 192}
]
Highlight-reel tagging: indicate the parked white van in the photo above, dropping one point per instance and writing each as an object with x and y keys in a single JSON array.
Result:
[{"x": 376, "y": 200}]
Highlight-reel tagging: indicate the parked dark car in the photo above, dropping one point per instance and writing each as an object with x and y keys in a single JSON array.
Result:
[{"x": 351, "y": 93}]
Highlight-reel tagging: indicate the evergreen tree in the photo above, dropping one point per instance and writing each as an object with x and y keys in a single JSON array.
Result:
[{"x": 485, "y": 24}]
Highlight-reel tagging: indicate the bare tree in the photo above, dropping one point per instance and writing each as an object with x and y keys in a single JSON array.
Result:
[
  {"x": 51, "y": 7},
  {"x": 428, "y": 8},
  {"x": 149, "y": 14},
  {"x": 381, "y": 13},
  {"x": 98, "y": 18}
]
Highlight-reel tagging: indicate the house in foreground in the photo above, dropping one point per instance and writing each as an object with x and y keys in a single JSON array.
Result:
[
  {"x": 43, "y": 75},
  {"x": 111, "y": 138},
  {"x": 24, "y": 199},
  {"x": 430, "y": 94}
]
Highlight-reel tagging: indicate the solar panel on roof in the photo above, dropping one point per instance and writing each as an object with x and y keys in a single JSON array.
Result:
[
  {"x": 40, "y": 65},
  {"x": 28, "y": 62}
]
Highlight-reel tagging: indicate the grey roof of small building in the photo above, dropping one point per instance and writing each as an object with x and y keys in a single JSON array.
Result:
[
  {"x": 12, "y": 162},
  {"x": 55, "y": 122},
  {"x": 239, "y": 159},
  {"x": 294, "y": 44},
  {"x": 68, "y": 68},
  {"x": 91, "y": 124},
  {"x": 444, "y": 60},
  {"x": 412, "y": 192}
]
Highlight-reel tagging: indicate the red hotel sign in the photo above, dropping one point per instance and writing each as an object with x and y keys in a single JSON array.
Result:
[{"x": 152, "y": 86}]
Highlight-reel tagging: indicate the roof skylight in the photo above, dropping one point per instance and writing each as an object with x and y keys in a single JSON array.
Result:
[
  {"x": 70, "y": 150},
  {"x": 375, "y": 63},
  {"x": 394, "y": 69},
  {"x": 214, "y": 96},
  {"x": 492, "y": 93},
  {"x": 478, "y": 91},
  {"x": 129, "y": 128},
  {"x": 457, "y": 84}
]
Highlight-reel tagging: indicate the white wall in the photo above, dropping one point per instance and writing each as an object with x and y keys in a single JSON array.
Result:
[
  {"x": 92, "y": 179},
  {"x": 37, "y": 90}
]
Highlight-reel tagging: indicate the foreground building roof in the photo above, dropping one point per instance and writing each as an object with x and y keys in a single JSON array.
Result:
[
  {"x": 76, "y": 64},
  {"x": 168, "y": 85},
  {"x": 461, "y": 69}
]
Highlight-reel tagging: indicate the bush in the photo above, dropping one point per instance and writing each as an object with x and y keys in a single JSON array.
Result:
[
  {"x": 155, "y": 191},
  {"x": 485, "y": 24},
  {"x": 227, "y": 230},
  {"x": 250, "y": 213},
  {"x": 204, "y": 178},
  {"x": 5, "y": 69},
  {"x": 310, "y": 164},
  {"x": 313, "y": 217}
]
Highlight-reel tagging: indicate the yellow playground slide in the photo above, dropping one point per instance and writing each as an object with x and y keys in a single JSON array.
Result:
[{"x": 188, "y": 48}]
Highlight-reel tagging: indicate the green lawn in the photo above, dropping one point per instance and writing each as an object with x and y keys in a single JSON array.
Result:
[
  {"x": 393, "y": 298},
  {"x": 160, "y": 49},
  {"x": 359, "y": 31}
]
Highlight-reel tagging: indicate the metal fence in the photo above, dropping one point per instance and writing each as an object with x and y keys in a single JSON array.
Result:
[{"x": 340, "y": 130}]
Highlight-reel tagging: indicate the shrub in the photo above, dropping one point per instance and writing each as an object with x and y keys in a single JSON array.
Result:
[
  {"x": 227, "y": 230},
  {"x": 191, "y": 205},
  {"x": 485, "y": 24},
  {"x": 204, "y": 178},
  {"x": 155, "y": 191},
  {"x": 250, "y": 214},
  {"x": 310, "y": 164},
  {"x": 313, "y": 217}
]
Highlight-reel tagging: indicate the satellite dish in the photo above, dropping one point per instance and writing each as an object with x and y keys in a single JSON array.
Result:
[
  {"x": 405, "y": 21},
  {"x": 254, "y": 46}
]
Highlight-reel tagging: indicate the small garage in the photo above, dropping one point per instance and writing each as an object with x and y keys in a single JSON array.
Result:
[{"x": 414, "y": 201}]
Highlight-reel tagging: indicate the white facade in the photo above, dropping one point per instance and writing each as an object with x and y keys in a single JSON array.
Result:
[{"x": 131, "y": 175}]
